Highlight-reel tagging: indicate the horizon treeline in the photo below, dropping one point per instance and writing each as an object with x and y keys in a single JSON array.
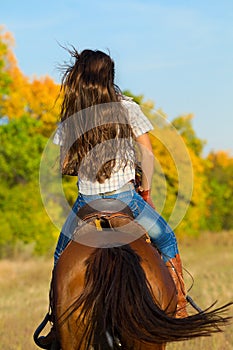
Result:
[{"x": 29, "y": 110}]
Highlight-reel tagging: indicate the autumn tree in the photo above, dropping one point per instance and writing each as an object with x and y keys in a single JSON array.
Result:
[
  {"x": 179, "y": 181},
  {"x": 35, "y": 97},
  {"x": 43, "y": 103}
]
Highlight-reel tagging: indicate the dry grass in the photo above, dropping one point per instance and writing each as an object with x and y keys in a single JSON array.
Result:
[
  {"x": 23, "y": 301},
  {"x": 24, "y": 286},
  {"x": 209, "y": 260}
]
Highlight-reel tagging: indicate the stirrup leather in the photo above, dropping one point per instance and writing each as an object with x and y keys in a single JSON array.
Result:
[{"x": 40, "y": 328}]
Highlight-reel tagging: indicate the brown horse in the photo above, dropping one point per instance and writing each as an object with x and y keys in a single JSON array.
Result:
[{"x": 121, "y": 294}]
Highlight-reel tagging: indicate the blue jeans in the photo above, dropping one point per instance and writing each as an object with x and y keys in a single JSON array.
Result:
[{"x": 159, "y": 231}]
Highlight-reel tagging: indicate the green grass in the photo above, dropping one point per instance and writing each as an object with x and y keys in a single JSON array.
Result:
[{"x": 24, "y": 286}]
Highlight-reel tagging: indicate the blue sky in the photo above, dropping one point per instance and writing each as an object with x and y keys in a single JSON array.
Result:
[{"x": 177, "y": 53}]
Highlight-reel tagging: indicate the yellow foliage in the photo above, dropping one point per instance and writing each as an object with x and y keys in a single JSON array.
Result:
[
  {"x": 222, "y": 158},
  {"x": 15, "y": 104},
  {"x": 43, "y": 102},
  {"x": 182, "y": 192},
  {"x": 38, "y": 97}
]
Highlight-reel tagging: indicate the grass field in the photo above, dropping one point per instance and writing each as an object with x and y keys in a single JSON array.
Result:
[{"x": 24, "y": 286}]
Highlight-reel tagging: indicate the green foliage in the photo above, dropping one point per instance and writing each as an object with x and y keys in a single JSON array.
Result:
[
  {"x": 138, "y": 99},
  {"x": 219, "y": 172},
  {"x": 20, "y": 150},
  {"x": 23, "y": 216},
  {"x": 5, "y": 78},
  {"x": 24, "y": 219},
  {"x": 184, "y": 125}
]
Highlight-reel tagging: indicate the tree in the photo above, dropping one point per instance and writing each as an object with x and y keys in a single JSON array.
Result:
[
  {"x": 43, "y": 103},
  {"x": 184, "y": 125},
  {"x": 23, "y": 218},
  {"x": 219, "y": 171},
  {"x": 37, "y": 97},
  {"x": 195, "y": 217},
  {"x": 5, "y": 78},
  {"x": 20, "y": 150},
  {"x": 179, "y": 179}
]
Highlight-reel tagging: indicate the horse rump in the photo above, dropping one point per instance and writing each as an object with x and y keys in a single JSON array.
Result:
[{"x": 117, "y": 303}]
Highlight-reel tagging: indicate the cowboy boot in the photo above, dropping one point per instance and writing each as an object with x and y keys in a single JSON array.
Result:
[{"x": 175, "y": 269}]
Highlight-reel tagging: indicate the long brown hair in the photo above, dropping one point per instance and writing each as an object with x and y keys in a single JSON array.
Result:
[{"x": 95, "y": 123}]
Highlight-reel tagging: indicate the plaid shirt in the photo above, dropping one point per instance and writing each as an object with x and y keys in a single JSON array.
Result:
[{"x": 120, "y": 176}]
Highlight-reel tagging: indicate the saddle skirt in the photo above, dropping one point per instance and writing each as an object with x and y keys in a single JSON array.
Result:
[{"x": 105, "y": 223}]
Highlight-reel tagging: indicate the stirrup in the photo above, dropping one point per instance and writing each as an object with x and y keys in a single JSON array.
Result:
[{"x": 40, "y": 328}]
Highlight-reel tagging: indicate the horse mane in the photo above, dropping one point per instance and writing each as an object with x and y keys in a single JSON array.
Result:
[{"x": 117, "y": 300}]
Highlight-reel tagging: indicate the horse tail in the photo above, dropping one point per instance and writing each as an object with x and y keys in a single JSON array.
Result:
[{"x": 117, "y": 303}]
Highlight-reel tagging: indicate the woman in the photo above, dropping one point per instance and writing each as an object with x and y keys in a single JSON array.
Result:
[{"x": 99, "y": 134}]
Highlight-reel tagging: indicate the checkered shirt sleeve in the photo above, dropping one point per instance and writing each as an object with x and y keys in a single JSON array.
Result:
[{"x": 137, "y": 119}]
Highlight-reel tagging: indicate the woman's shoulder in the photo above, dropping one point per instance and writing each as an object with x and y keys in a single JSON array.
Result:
[
  {"x": 137, "y": 118},
  {"x": 126, "y": 99},
  {"x": 129, "y": 102}
]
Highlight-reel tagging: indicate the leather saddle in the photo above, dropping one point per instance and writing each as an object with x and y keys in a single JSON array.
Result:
[
  {"x": 110, "y": 216},
  {"x": 110, "y": 212}
]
